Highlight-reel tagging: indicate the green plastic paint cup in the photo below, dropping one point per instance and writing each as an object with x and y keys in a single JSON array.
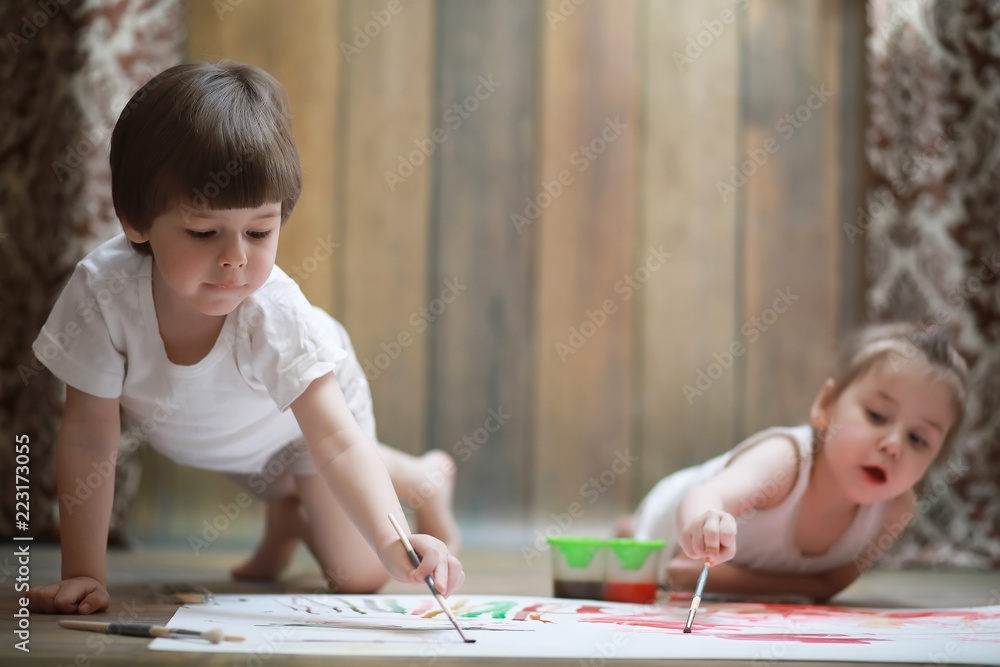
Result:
[
  {"x": 632, "y": 567},
  {"x": 578, "y": 567}
]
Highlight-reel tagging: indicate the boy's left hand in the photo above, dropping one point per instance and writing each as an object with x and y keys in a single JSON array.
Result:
[{"x": 435, "y": 560}]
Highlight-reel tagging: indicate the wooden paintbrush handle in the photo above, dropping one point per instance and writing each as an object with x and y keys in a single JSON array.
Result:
[{"x": 130, "y": 629}]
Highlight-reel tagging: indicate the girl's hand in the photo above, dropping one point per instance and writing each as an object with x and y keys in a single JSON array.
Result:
[
  {"x": 79, "y": 595},
  {"x": 435, "y": 560},
  {"x": 711, "y": 535}
]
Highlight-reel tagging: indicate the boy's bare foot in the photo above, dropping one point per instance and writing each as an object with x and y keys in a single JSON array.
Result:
[
  {"x": 624, "y": 527},
  {"x": 432, "y": 501},
  {"x": 282, "y": 534}
]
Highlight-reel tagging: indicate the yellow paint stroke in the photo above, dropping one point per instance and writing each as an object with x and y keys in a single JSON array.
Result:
[
  {"x": 454, "y": 607},
  {"x": 877, "y": 622},
  {"x": 537, "y": 616}
]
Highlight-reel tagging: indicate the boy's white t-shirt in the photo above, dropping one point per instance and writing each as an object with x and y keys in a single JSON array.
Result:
[{"x": 227, "y": 412}]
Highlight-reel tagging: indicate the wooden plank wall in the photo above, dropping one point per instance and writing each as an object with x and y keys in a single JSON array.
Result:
[
  {"x": 571, "y": 248},
  {"x": 589, "y": 108}
]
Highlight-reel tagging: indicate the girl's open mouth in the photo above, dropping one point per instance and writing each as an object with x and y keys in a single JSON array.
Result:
[{"x": 875, "y": 474}]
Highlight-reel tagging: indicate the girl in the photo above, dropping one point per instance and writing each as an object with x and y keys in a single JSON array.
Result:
[
  {"x": 186, "y": 324},
  {"x": 790, "y": 510}
]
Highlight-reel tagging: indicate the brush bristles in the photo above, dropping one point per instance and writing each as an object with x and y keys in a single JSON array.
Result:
[{"x": 215, "y": 636}]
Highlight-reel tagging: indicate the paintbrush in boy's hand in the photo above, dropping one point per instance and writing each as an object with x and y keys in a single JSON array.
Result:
[
  {"x": 697, "y": 596},
  {"x": 429, "y": 579}
]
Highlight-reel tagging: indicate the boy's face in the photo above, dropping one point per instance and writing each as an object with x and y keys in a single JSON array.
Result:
[
  {"x": 885, "y": 429},
  {"x": 209, "y": 261}
]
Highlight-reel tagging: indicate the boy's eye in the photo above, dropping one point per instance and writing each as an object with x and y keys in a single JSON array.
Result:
[
  {"x": 199, "y": 235},
  {"x": 260, "y": 236},
  {"x": 876, "y": 417}
]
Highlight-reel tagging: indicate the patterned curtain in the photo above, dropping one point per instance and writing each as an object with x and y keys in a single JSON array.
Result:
[
  {"x": 932, "y": 226},
  {"x": 66, "y": 72}
]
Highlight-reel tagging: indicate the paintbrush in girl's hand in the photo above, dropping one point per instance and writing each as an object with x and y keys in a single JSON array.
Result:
[
  {"x": 429, "y": 579},
  {"x": 146, "y": 630},
  {"x": 697, "y": 596}
]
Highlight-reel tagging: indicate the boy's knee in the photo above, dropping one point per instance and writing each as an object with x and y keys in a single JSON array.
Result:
[{"x": 366, "y": 582}]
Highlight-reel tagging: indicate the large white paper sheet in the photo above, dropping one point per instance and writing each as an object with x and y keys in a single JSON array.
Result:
[{"x": 527, "y": 627}]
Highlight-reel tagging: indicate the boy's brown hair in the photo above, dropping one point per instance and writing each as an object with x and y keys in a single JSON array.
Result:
[
  {"x": 207, "y": 136},
  {"x": 899, "y": 342}
]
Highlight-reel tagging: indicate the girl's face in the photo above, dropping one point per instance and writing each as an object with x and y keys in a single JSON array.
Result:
[
  {"x": 209, "y": 261},
  {"x": 885, "y": 428}
]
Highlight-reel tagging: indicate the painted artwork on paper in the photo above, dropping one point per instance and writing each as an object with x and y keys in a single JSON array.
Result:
[{"x": 512, "y": 626}]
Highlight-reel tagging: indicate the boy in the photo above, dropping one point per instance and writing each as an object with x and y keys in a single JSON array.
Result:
[{"x": 187, "y": 326}]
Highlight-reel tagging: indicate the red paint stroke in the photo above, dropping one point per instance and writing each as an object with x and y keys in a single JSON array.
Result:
[
  {"x": 949, "y": 614},
  {"x": 424, "y": 607},
  {"x": 525, "y": 613},
  {"x": 804, "y": 639},
  {"x": 815, "y": 611},
  {"x": 587, "y": 609},
  {"x": 658, "y": 622}
]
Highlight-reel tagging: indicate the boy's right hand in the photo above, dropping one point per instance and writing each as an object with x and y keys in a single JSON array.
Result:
[
  {"x": 711, "y": 535},
  {"x": 79, "y": 595}
]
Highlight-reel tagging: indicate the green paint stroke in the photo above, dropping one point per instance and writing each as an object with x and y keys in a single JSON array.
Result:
[
  {"x": 389, "y": 604},
  {"x": 353, "y": 608},
  {"x": 499, "y": 610}
]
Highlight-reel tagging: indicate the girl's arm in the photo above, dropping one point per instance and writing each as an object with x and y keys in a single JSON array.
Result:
[
  {"x": 683, "y": 572},
  {"x": 352, "y": 467},
  {"x": 757, "y": 478},
  {"x": 87, "y": 445}
]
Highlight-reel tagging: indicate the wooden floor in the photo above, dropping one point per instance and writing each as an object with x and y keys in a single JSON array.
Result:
[{"x": 136, "y": 574}]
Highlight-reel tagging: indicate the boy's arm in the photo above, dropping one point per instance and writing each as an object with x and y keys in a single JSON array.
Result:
[
  {"x": 352, "y": 468},
  {"x": 87, "y": 442},
  {"x": 757, "y": 478}
]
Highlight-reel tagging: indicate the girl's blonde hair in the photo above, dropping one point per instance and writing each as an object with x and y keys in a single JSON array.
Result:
[{"x": 899, "y": 342}]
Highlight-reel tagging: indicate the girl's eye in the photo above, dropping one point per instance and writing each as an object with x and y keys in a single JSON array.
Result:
[
  {"x": 918, "y": 442},
  {"x": 259, "y": 236},
  {"x": 199, "y": 235},
  {"x": 876, "y": 417}
]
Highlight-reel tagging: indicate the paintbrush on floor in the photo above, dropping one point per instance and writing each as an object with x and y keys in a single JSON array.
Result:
[
  {"x": 429, "y": 579},
  {"x": 696, "y": 600},
  {"x": 147, "y": 630}
]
